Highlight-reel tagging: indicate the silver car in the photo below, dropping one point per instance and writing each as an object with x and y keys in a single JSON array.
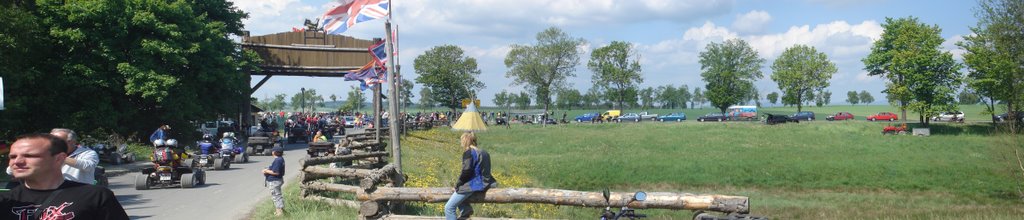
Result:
[{"x": 956, "y": 116}]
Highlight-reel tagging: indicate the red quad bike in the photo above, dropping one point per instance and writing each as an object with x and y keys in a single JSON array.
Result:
[
  {"x": 889, "y": 129},
  {"x": 167, "y": 172}
]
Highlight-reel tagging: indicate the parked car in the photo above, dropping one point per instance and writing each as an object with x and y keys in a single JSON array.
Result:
[
  {"x": 883, "y": 116},
  {"x": 714, "y": 116},
  {"x": 839, "y": 116},
  {"x": 586, "y": 117},
  {"x": 350, "y": 121},
  {"x": 806, "y": 116},
  {"x": 779, "y": 119},
  {"x": 1003, "y": 117},
  {"x": 634, "y": 117},
  {"x": 956, "y": 116},
  {"x": 610, "y": 115},
  {"x": 678, "y": 116},
  {"x": 645, "y": 116}
]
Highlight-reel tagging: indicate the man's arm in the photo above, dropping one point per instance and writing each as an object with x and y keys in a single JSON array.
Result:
[{"x": 86, "y": 161}]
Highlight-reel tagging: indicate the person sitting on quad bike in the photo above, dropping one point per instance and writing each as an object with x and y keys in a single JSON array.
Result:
[
  {"x": 206, "y": 146},
  {"x": 163, "y": 155}
]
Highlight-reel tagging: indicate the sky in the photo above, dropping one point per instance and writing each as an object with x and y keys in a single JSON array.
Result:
[{"x": 668, "y": 34}]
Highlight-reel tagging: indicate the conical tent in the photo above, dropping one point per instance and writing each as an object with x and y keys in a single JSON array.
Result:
[{"x": 470, "y": 120}]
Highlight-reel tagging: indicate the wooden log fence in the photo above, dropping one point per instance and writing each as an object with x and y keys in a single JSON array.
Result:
[
  {"x": 305, "y": 162},
  {"x": 655, "y": 200}
]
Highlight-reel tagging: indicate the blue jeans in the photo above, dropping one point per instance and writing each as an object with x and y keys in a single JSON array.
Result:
[{"x": 458, "y": 201}]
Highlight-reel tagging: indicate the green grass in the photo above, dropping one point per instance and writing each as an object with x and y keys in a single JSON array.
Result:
[
  {"x": 810, "y": 170},
  {"x": 297, "y": 208}
]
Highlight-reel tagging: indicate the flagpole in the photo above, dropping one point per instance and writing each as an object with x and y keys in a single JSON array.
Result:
[{"x": 396, "y": 147}]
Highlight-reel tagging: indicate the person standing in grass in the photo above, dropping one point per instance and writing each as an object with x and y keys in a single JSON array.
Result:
[
  {"x": 475, "y": 177},
  {"x": 275, "y": 178}
]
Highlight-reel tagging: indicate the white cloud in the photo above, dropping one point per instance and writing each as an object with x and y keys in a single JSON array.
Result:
[
  {"x": 950, "y": 45},
  {"x": 501, "y": 18},
  {"x": 864, "y": 77},
  {"x": 274, "y": 16},
  {"x": 752, "y": 22}
]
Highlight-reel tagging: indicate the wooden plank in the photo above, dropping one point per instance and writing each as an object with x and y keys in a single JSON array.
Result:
[
  {"x": 655, "y": 200},
  {"x": 305, "y": 162}
]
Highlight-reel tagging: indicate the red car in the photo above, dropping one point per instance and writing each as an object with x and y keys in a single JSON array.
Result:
[
  {"x": 883, "y": 116},
  {"x": 839, "y": 116}
]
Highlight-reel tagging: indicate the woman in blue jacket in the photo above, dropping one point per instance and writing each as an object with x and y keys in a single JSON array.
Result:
[{"x": 475, "y": 177}]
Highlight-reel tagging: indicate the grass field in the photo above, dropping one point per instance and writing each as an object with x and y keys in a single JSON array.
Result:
[{"x": 816, "y": 170}]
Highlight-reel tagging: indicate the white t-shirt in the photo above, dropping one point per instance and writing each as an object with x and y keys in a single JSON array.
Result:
[{"x": 84, "y": 170}]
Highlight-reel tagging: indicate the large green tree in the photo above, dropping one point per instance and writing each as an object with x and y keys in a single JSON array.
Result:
[
  {"x": 866, "y": 97},
  {"x": 921, "y": 75},
  {"x": 122, "y": 66},
  {"x": 501, "y": 99},
  {"x": 800, "y": 69},
  {"x": 569, "y": 99},
  {"x": 995, "y": 54},
  {"x": 772, "y": 97},
  {"x": 616, "y": 70},
  {"x": 406, "y": 91},
  {"x": 354, "y": 100},
  {"x": 852, "y": 98},
  {"x": 449, "y": 73},
  {"x": 729, "y": 69},
  {"x": 543, "y": 68},
  {"x": 426, "y": 98}
]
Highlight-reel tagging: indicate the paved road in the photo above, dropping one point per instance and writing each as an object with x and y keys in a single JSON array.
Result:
[{"x": 227, "y": 194}]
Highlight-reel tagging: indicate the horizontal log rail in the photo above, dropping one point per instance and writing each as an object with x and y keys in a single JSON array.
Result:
[
  {"x": 305, "y": 162},
  {"x": 334, "y": 187},
  {"x": 655, "y": 200},
  {"x": 339, "y": 172}
]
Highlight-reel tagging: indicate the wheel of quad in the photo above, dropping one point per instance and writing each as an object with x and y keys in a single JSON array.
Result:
[
  {"x": 238, "y": 158},
  {"x": 129, "y": 158},
  {"x": 701, "y": 215},
  {"x": 189, "y": 162},
  {"x": 218, "y": 164},
  {"x": 141, "y": 182},
  {"x": 102, "y": 181},
  {"x": 115, "y": 158},
  {"x": 188, "y": 180},
  {"x": 200, "y": 177},
  {"x": 227, "y": 163}
]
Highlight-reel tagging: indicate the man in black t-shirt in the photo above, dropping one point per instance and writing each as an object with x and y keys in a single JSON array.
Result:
[{"x": 36, "y": 159}]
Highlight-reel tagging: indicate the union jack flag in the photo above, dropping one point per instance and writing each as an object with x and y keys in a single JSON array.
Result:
[{"x": 350, "y": 12}]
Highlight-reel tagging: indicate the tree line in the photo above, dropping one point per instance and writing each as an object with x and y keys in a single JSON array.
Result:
[{"x": 919, "y": 75}]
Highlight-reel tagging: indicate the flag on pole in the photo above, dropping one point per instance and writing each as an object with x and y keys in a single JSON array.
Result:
[
  {"x": 367, "y": 71},
  {"x": 350, "y": 12},
  {"x": 379, "y": 52}
]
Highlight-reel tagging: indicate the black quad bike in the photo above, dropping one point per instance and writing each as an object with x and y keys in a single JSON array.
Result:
[
  {"x": 261, "y": 142},
  {"x": 624, "y": 212},
  {"x": 165, "y": 173},
  {"x": 114, "y": 156}
]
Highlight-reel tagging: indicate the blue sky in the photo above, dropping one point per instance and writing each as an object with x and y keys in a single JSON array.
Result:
[{"x": 669, "y": 34}]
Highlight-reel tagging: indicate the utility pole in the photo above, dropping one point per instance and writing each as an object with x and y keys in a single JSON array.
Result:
[{"x": 302, "y": 99}]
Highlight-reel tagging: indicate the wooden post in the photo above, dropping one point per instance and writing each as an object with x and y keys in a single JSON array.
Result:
[
  {"x": 657, "y": 200},
  {"x": 396, "y": 147}
]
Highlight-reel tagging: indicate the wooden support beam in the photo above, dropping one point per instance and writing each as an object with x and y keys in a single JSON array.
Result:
[
  {"x": 333, "y": 201},
  {"x": 305, "y": 162},
  {"x": 341, "y": 172},
  {"x": 258, "y": 85},
  {"x": 415, "y": 217},
  {"x": 655, "y": 200},
  {"x": 370, "y": 181},
  {"x": 330, "y": 187},
  {"x": 358, "y": 145}
]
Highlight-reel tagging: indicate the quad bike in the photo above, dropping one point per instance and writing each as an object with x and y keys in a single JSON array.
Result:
[
  {"x": 624, "y": 212},
  {"x": 230, "y": 148},
  {"x": 114, "y": 156},
  {"x": 208, "y": 156},
  {"x": 166, "y": 172},
  {"x": 261, "y": 142},
  {"x": 101, "y": 177},
  {"x": 889, "y": 129}
]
